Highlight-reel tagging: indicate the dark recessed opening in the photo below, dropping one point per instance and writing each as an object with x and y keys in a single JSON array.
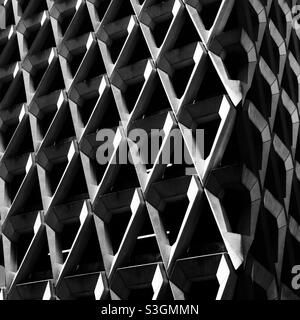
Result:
[
  {"x": 41, "y": 269},
  {"x": 67, "y": 237},
  {"x": 56, "y": 174},
  {"x": 87, "y": 108},
  {"x": 76, "y": 61},
  {"x": 14, "y": 185},
  {"x": 237, "y": 204},
  {"x": 236, "y": 62},
  {"x": 22, "y": 246},
  {"x": 38, "y": 75},
  {"x": 160, "y": 29},
  {"x": 172, "y": 217},
  {"x": 91, "y": 259},
  {"x": 209, "y": 12},
  {"x": 206, "y": 237},
  {"x": 131, "y": 94},
  {"x": 141, "y": 294},
  {"x": 116, "y": 47},
  {"x": 65, "y": 20},
  {"x": 45, "y": 122},
  {"x": 117, "y": 227},
  {"x": 210, "y": 131},
  {"x": 101, "y": 7},
  {"x": 211, "y": 85},
  {"x": 180, "y": 79},
  {"x": 203, "y": 290}
]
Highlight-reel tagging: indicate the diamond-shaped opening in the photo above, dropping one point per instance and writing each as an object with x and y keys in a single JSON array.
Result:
[
  {"x": 237, "y": 204},
  {"x": 187, "y": 35},
  {"x": 40, "y": 264},
  {"x": 265, "y": 245},
  {"x": 236, "y": 62},
  {"x": 96, "y": 66},
  {"x": 65, "y": 19},
  {"x": 67, "y": 130},
  {"x": 283, "y": 126},
  {"x": 276, "y": 183},
  {"x": 161, "y": 24},
  {"x": 234, "y": 153},
  {"x": 55, "y": 80},
  {"x": 87, "y": 107},
  {"x": 47, "y": 40},
  {"x": 269, "y": 51},
  {"x": 152, "y": 140},
  {"x": 77, "y": 189},
  {"x": 149, "y": 146},
  {"x": 236, "y": 18},
  {"x": 126, "y": 178},
  {"x": 83, "y": 24},
  {"x": 22, "y": 245},
  {"x": 67, "y": 237},
  {"x": 45, "y": 121},
  {"x": 38, "y": 74},
  {"x": 180, "y": 160},
  {"x": 90, "y": 259},
  {"x": 23, "y": 142},
  {"x": 160, "y": 29},
  {"x": 14, "y": 52},
  {"x": 21, "y": 96},
  {"x": 111, "y": 116},
  {"x": 116, "y": 46},
  {"x": 76, "y": 60},
  {"x": 4, "y": 87},
  {"x": 56, "y": 173},
  {"x": 211, "y": 85},
  {"x": 97, "y": 170},
  {"x": 117, "y": 227},
  {"x": 290, "y": 83},
  {"x": 210, "y": 128},
  {"x": 209, "y": 12},
  {"x": 172, "y": 216},
  {"x": 181, "y": 77},
  {"x": 145, "y": 249},
  {"x": 31, "y": 204},
  {"x": 205, "y": 290},
  {"x": 14, "y": 185},
  {"x": 260, "y": 94},
  {"x": 175, "y": 171},
  {"x": 35, "y": 7},
  {"x": 7, "y": 133},
  {"x": 206, "y": 238},
  {"x": 158, "y": 102},
  {"x": 144, "y": 293},
  {"x": 124, "y": 10},
  {"x": 101, "y": 7},
  {"x": 140, "y": 51},
  {"x": 23, "y": 4},
  {"x": 30, "y": 34},
  {"x": 132, "y": 92}
]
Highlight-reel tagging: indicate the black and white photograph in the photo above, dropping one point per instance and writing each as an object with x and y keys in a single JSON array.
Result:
[{"x": 149, "y": 155}]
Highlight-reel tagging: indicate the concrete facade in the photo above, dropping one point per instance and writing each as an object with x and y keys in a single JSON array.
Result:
[{"x": 225, "y": 227}]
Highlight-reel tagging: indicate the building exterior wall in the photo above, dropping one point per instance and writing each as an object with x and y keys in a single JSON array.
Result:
[{"x": 222, "y": 223}]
